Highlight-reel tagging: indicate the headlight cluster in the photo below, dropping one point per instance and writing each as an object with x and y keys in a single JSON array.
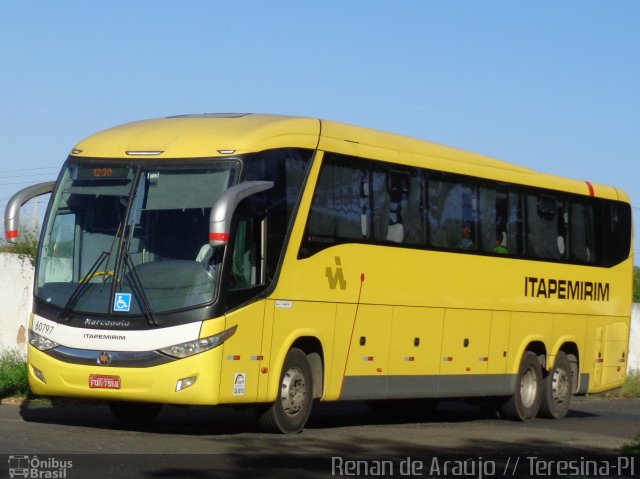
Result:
[
  {"x": 190, "y": 348},
  {"x": 41, "y": 342}
]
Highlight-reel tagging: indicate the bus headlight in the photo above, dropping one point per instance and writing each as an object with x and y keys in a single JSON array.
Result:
[
  {"x": 201, "y": 345},
  {"x": 41, "y": 342}
]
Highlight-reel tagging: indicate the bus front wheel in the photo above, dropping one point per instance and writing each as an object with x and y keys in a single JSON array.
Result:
[
  {"x": 290, "y": 411},
  {"x": 558, "y": 386},
  {"x": 525, "y": 402}
]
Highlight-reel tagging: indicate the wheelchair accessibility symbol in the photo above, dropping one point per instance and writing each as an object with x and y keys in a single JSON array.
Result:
[{"x": 122, "y": 302}]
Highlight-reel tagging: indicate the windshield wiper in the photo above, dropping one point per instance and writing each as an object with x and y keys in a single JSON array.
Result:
[
  {"x": 82, "y": 286},
  {"x": 138, "y": 289}
]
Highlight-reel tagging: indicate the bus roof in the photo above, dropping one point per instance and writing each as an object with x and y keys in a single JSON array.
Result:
[
  {"x": 196, "y": 136},
  {"x": 199, "y": 136},
  {"x": 209, "y": 135}
]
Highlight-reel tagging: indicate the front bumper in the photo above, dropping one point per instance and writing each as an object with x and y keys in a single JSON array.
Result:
[{"x": 148, "y": 384}]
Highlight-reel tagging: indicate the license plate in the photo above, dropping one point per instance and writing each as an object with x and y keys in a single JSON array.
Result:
[{"x": 104, "y": 382}]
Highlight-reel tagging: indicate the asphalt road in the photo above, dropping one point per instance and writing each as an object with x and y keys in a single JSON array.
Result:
[{"x": 223, "y": 442}]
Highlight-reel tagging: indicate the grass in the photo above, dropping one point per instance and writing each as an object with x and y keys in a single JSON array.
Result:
[
  {"x": 632, "y": 447},
  {"x": 13, "y": 375},
  {"x": 630, "y": 390},
  {"x": 28, "y": 244}
]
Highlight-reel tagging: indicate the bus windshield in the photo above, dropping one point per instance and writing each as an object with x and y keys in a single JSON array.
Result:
[{"x": 129, "y": 239}]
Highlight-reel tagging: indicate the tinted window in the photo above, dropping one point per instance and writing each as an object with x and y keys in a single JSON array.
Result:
[
  {"x": 360, "y": 200},
  {"x": 616, "y": 227},
  {"x": 287, "y": 168},
  {"x": 341, "y": 208},
  {"x": 582, "y": 233},
  {"x": 500, "y": 220},
  {"x": 546, "y": 224},
  {"x": 453, "y": 214},
  {"x": 398, "y": 205}
]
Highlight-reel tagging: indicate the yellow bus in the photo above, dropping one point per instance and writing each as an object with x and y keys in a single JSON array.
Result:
[{"x": 243, "y": 259}]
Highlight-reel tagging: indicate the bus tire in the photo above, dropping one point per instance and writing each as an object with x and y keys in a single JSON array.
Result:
[
  {"x": 135, "y": 414},
  {"x": 557, "y": 389},
  {"x": 524, "y": 403},
  {"x": 290, "y": 411}
]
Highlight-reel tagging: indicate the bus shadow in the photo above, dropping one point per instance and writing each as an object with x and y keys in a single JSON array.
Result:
[
  {"x": 227, "y": 420},
  {"x": 359, "y": 413},
  {"x": 194, "y": 420}
]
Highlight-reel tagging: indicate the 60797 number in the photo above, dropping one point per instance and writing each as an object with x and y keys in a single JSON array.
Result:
[{"x": 44, "y": 328}]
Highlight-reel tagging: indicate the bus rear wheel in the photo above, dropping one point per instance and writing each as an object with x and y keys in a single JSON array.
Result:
[
  {"x": 135, "y": 414},
  {"x": 558, "y": 387},
  {"x": 290, "y": 411},
  {"x": 524, "y": 404}
]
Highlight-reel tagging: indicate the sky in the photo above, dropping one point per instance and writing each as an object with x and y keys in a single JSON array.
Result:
[{"x": 553, "y": 86}]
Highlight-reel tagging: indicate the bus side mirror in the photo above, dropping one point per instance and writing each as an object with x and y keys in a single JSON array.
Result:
[
  {"x": 12, "y": 211},
  {"x": 226, "y": 204}
]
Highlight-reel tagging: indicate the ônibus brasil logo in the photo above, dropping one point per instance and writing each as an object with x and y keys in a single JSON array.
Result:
[{"x": 35, "y": 467}]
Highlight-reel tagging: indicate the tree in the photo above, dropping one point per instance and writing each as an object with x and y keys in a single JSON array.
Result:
[{"x": 636, "y": 284}]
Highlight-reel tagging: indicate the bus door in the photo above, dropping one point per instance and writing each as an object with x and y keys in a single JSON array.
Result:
[{"x": 242, "y": 353}]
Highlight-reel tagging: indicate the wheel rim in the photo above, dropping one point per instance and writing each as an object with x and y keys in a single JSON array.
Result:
[
  {"x": 294, "y": 392},
  {"x": 528, "y": 388},
  {"x": 559, "y": 386}
]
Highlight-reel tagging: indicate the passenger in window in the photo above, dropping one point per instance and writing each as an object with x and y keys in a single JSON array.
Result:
[
  {"x": 501, "y": 244},
  {"x": 466, "y": 243}
]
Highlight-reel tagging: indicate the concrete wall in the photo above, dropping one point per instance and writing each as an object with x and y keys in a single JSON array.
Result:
[
  {"x": 16, "y": 276},
  {"x": 634, "y": 340},
  {"x": 16, "y": 290}
]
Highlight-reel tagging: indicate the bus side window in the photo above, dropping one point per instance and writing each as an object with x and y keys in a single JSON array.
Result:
[
  {"x": 248, "y": 256},
  {"x": 544, "y": 239},
  {"x": 515, "y": 223},
  {"x": 287, "y": 168},
  {"x": 387, "y": 221},
  {"x": 493, "y": 212},
  {"x": 582, "y": 236},
  {"x": 563, "y": 227},
  {"x": 616, "y": 225},
  {"x": 398, "y": 209},
  {"x": 453, "y": 215},
  {"x": 340, "y": 210}
]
